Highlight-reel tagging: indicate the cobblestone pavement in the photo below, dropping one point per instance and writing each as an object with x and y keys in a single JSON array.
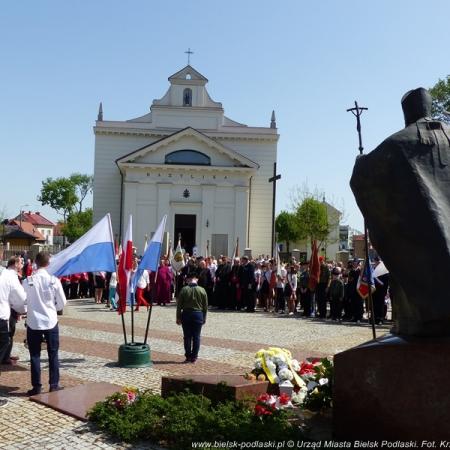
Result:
[{"x": 91, "y": 335}]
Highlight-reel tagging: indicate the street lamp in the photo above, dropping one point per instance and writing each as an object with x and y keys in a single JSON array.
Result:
[{"x": 21, "y": 209}]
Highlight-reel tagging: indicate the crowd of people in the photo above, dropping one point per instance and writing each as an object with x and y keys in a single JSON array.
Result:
[{"x": 247, "y": 284}]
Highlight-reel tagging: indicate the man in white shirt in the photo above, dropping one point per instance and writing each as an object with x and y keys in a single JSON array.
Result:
[
  {"x": 12, "y": 295},
  {"x": 45, "y": 296}
]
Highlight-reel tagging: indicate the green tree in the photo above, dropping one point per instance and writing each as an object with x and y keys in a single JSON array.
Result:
[
  {"x": 441, "y": 99},
  {"x": 287, "y": 227},
  {"x": 60, "y": 194},
  {"x": 313, "y": 221},
  {"x": 77, "y": 224},
  {"x": 83, "y": 186}
]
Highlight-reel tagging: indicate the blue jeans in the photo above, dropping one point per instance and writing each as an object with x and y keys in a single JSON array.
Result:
[
  {"x": 34, "y": 339},
  {"x": 192, "y": 322}
]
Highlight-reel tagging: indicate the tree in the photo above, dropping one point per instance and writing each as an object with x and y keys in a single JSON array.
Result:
[
  {"x": 83, "y": 187},
  {"x": 312, "y": 217},
  {"x": 77, "y": 224},
  {"x": 60, "y": 194},
  {"x": 287, "y": 227},
  {"x": 441, "y": 99}
]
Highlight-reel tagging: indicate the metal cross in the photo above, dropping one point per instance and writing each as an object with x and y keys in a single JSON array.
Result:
[
  {"x": 189, "y": 53},
  {"x": 274, "y": 180},
  {"x": 357, "y": 111}
]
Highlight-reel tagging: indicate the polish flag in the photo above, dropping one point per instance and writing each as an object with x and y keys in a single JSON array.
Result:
[{"x": 124, "y": 269}]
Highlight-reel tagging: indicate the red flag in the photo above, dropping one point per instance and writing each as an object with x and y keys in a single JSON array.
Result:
[
  {"x": 125, "y": 263},
  {"x": 314, "y": 267},
  {"x": 365, "y": 281}
]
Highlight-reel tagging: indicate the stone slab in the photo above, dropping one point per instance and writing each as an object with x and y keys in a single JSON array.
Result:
[
  {"x": 78, "y": 400},
  {"x": 393, "y": 388},
  {"x": 215, "y": 387}
]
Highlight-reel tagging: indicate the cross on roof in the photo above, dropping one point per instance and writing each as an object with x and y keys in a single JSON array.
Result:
[{"x": 189, "y": 53}]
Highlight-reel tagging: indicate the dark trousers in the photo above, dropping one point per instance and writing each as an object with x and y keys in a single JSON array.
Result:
[
  {"x": 306, "y": 302},
  {"x": 4, "y": 338},
  {"x": 12, "y": 332},
  {"x": 280, "y": 301},
  {"x": 192, "y": 322},
  {"x": 378, "y": 306},
  {"x": 357, "y": 306},
  {"x": 34, "y": 338},
  {"x": 336, "y": 308},
  {"x": 321, "y": 296},
  {"x": 249, "y": 299}
]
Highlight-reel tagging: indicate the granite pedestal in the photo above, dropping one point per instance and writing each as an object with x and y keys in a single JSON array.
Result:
[
  {"x": 215, "y": 387},
  {"x": 394, "y": 388}
]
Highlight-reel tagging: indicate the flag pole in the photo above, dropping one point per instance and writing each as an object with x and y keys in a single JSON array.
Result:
[
  {"x": 132, "y": 316},
  {"x": 124, "y": 330},
  {"x": 372, "y": 315},
  {"x": 149, "y": 315}
]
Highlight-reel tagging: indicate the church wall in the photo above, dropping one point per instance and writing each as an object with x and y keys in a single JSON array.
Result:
[
  {"x": 183, "y": 117},
  {"x": 264, "y": 153},
  {"x": 107, "y": 180}
]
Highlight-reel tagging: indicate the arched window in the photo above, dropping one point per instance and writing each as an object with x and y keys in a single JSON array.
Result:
[
  {"x": 187, "y": 97},
  {"x": 188, "y": 157}
]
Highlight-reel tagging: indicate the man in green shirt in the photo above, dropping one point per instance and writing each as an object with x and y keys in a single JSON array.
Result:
[{"x": 192, "y": 306}]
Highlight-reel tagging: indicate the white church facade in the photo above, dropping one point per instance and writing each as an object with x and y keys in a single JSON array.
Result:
[{"x": 186, "y": 159}]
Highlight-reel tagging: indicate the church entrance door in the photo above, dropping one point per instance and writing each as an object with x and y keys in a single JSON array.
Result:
[{"x": 185, "y": 225}]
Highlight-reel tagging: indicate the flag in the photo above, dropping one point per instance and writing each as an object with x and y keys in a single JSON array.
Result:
[
  {"x": 365, "y": 280},
  {"x": 236, "y": 249},
  {"x": 150, "y": 260},
  {"x": 178, "y": 258},
  {"x": 125, "y": 263},
  {"x": 278, "y": 260},
  {"x": 145, "y": 243},
  {"x": 314, "y": 267},
  {"x": 94, "y": 251}
]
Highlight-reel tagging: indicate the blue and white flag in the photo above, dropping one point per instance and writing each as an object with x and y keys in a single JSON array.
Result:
[
  {"x": 94, "y": 251},
  {"x": 150, "y": 260}
]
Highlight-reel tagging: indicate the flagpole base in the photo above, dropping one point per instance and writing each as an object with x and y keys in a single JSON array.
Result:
[{"x": 134, "y": 355}]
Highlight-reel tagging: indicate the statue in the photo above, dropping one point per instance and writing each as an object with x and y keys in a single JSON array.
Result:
[{"x": 403, "y": 190}]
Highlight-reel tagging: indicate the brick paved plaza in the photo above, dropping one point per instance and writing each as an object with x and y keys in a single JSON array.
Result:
[{"x": 91, "y": 335}]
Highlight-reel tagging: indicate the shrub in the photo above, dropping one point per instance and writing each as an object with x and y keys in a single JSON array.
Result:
[{"x": 178, "y": 420}]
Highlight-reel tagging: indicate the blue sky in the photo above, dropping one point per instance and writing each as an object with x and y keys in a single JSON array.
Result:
[{"x": 307, "y": 60}]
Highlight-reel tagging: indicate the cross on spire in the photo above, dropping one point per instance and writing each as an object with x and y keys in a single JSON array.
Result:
[{"x": 189, "y": 52}]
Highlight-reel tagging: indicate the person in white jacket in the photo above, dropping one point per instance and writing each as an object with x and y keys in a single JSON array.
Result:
[{"x": 45, "y": 297}]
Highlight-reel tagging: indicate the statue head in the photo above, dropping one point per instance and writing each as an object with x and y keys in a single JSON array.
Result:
[{"x": 416, "y": 104}]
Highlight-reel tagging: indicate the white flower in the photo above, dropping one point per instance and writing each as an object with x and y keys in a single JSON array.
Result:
[
  {"x": 270, "y": 365},
  {"x": 279, "y": 360},
  {"x": 299, "y": 397},
  {"x": 295, "y": 365},
  {"x": 285, "y": 374},
  {"x": 258, "y": 364},
  {"x": 276, "y": 380},
  {"x": 283, "y": 366},
  {"x": 323, "y": 381}
]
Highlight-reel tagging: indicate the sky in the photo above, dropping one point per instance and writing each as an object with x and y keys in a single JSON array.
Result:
[{"x": 307, "y": 60}]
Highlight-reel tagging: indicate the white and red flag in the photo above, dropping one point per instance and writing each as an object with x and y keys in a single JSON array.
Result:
[{"x": 124, "y": 269}]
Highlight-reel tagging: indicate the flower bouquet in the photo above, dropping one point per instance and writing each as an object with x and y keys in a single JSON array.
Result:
[
  {"x": 267, "y": 405},
  {"x": 276, "y": 365},
  {"x": 126, "y": 397}
]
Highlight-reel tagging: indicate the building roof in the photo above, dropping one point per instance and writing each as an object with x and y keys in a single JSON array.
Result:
[
  {"x": 358, "y": 237},
  {"x": 27, "y": 230},
  {"x": 36, "y": 219}
]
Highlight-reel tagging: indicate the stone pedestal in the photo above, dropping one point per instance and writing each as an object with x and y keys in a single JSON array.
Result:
[
  {"x": 394, "y": 388},
  {"x": 215, "y": 387}
]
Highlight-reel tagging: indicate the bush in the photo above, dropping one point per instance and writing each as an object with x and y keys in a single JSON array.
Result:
[{"x": 179, "y": 420}]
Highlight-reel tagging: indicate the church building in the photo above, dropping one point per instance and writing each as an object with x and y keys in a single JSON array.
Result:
[{"x": 186, "y": 159}]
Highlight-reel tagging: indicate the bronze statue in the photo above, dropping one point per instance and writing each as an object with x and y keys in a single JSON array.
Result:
[{"x": 403, "y": 190}]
